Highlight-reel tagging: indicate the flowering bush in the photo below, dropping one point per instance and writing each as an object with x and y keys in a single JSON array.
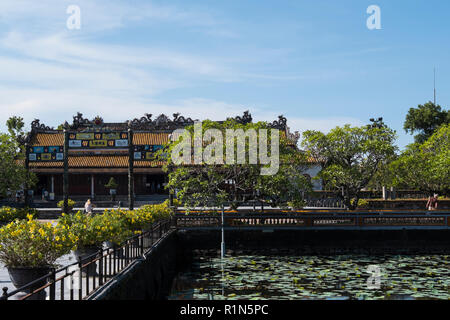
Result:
[
  {"x": 29, "y": 243},
  {"x": 145, "y": 216},
  {"x": 8, "y": 214},
  {"x": 297, "y": 204},
  {"x": 362, "y": 203},
  {"x": 70, "y": 203},
  {"x": 116, "y": 226},
  {"x": 89, "y": 230}
]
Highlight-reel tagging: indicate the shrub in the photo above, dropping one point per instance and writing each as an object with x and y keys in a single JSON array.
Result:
[
  {"x": 29, "y": 243},
  {"x": 116, "y": 225},
  {"x": 8, "y": 214},
  {"x": 89, "y": 230},
  {"x": 70, "y": 203},
  {"x": 297, "y": 204},
  {"x": 362, "y": 203},
  {"x": 145, "y": 216}
]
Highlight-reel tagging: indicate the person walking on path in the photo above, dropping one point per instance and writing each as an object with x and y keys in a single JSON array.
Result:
[
  {"x": 432, "y": 203},
  {"x": 88, "y": 207}
]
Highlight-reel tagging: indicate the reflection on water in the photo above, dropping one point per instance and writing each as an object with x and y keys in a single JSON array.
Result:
[{"x": 314, "y": 277}]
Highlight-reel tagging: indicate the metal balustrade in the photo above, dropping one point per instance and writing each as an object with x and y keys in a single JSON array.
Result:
[
  {"x": 317, "y": 219},
  {"x": 68, "y": 283}
]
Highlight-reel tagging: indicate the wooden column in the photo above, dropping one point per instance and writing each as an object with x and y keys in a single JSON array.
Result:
[
  {"x": 130, "y": 170},
  {"x": 66, "y": 172},
  {"x": 92, "y": 186},
  {"x": 27, "y": 168}
]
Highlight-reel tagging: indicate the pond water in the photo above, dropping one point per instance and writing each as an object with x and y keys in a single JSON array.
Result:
[{"x": 338, "y": 277}]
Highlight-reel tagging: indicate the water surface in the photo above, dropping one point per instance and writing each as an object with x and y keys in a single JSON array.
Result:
[{"x": 315, "y": 277}]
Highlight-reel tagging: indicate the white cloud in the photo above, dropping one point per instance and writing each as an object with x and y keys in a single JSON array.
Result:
[
  {"x": 97, "y": 15},
  {"x": 46, "y": 68},
  {"x": 62, "y": 48},
  {"x": 55, "y": 107},
  {"x": 50, "y": 73}
]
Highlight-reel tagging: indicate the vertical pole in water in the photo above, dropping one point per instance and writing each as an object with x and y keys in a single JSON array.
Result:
[
  {"x": 222, "y": 246},
  {"x": 222, "y": 253}
]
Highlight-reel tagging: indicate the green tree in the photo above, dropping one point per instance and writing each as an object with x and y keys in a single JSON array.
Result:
[
  {"x": 383, "y": 176},
  {"x": 15, "y": 126},
  {"x": 209, "y": 184},
  {"x": 351, "y": 157},
  {"x": 425, "y": 120},
  {"x": 112, "y": 184},
  {"x": 425, "y": 166},
  {"x": 13, "y": 175}
]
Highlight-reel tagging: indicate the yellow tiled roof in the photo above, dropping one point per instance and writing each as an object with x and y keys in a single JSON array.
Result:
[
  {"x": 96, "y": 162},
  {"x": 148, "y": 138},
  {"x": 47, "y": 139}
]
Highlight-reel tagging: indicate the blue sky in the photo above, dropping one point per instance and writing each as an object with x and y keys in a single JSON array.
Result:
[{"x": 315, "y": 62}]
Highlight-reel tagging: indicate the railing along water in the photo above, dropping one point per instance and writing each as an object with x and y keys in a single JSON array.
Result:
[
  {"x": 316, "y": 219},
  {"x": 67, "y": 283}
]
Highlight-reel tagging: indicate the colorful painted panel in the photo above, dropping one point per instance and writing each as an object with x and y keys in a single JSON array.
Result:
[
  {"x": 98, "y": 140},
  {"x": 146, "y": 152},
  {"x": 42, "y": 154}
]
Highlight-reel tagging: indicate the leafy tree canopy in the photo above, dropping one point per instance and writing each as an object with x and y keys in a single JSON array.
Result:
[
  {"x": 425, "y": 166},
  {"x": 351, "y": 156},
  {"x": 13, "y": 175},
  {"x": 425, "y": 120},
  {"x": 212, "y": 184},
  {"x": 15, "y": 126}
]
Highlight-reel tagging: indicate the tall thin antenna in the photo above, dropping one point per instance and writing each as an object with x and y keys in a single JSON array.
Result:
[{"x": 434, "y": 85}]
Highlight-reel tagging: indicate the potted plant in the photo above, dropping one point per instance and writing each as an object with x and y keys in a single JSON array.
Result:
[
  {"x": 70, "y": 205},
  {"x": 90, "y": 234},
  {"x": 29, "y": 249},
  {"x": 112, "y": 186}
]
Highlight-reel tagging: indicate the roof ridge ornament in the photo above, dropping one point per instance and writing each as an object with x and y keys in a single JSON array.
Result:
[
  {"x": 36, "y": 125},
  {"x": 245, "y": 119},
  {"x": 98, "y": 121},
  {"x": 294, "y": 137},
  {"x": 281, "y": 124},
  {"x": 80, "y": 122},
  {"x": 162, "y": 122}
]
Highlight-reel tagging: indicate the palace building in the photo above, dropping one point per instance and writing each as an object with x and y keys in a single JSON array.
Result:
[{"x": 97, "y": 151}]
